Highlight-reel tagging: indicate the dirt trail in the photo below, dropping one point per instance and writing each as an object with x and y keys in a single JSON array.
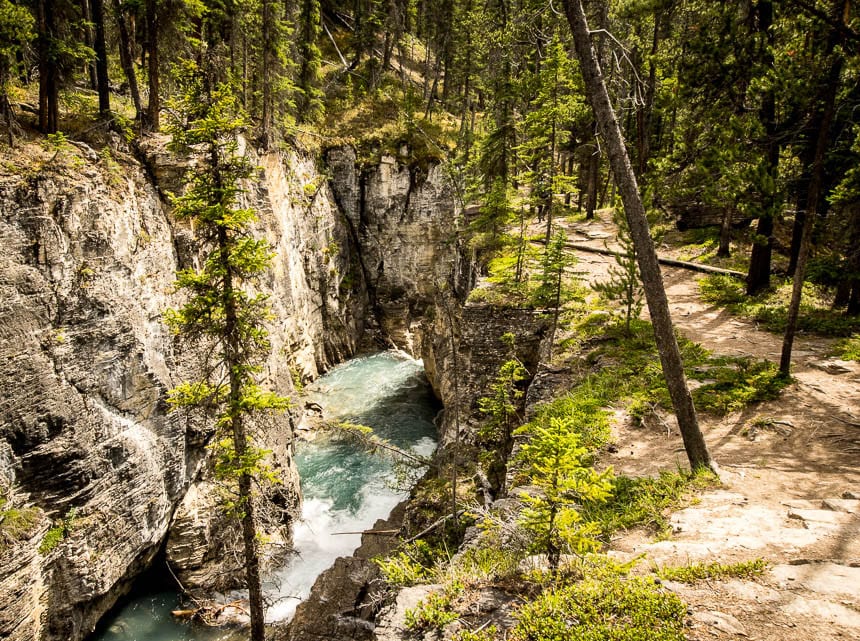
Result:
[{"x": 791, "y": 492}]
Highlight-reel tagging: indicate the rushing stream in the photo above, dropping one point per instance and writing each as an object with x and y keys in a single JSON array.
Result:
[{"x": 345, "y": 490}]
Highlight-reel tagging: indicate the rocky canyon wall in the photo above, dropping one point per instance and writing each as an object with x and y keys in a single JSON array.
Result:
[{"x": 89, "y": 452}]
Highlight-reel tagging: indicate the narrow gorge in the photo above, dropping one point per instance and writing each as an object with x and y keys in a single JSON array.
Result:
[{"x": 109, "y": 476}]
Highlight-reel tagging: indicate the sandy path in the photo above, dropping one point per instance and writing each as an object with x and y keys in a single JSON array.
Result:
[{"x": 783, "y": 490}]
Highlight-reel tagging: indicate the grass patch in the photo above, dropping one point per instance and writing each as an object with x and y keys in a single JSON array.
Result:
[
  {"x": 58, "y": 533},
  {"x": 630, "y": 372},
  {"x": 620, "y": 609},
  {"x": 738, "y": 382},
  {"x": 848, "y": 349},
  {"x": 389, "y": 120},
  {"x": 770, "y": 309},
  {"x": 435, "y": 611},
  {"x": 411, "y": 564},
  {"x": 695, "y": 572},
  {"x": 645, "y": 501},
  {"x": 16, "y": 523}
]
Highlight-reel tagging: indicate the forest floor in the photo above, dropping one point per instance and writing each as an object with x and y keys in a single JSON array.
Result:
[{"x": 790, "y": 472}]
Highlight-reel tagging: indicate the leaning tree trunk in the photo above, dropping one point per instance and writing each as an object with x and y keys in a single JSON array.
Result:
[
  {"x": 816, "y": 179},
  {"x": 652, "y": 280}
]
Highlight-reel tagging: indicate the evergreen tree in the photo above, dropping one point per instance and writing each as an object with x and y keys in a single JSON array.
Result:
[
  {"x": 310, "y": 100},
  {"x": 222, "y": 313},
  {"x": 555, "y": 463},
  {"x": 624, "y": 285},
  {"x": 16, "y": 30}
]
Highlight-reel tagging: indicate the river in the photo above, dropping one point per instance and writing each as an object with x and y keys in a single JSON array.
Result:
[{"x": 345, "y": 488}]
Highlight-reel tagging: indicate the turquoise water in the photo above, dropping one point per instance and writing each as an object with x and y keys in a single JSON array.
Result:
[{"x": 345, "y": 490}]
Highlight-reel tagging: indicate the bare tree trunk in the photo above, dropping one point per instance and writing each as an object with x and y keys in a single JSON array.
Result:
[
  {"x": 593, "y": 184},
  {"x": 813, "y": 194},
  {"x": 154, "y": 106},
  {"x": 649, "y": 269},
  {"x": 48, "y": 80},
  {"x": 100, "y": 46},
  {"x": 87, "y": 26},
  {"x": 758, "y": 276},
  {"x": 126, "y": 56},
  {"x": 724, "y": 250}
]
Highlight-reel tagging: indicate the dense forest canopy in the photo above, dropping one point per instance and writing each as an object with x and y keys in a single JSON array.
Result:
[{"x": 736, "y": 114}]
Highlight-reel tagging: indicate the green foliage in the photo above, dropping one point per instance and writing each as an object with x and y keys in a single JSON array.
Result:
[
  {"x": 435, "y": 611},
  {"x": 58, "y": 533},
  {"x": 557, "y": 464},
  {"x": 16, "y": 30},
  {"x": 695, "y": 572},
  {"x": 739, "y": 382},
  {"x": 502, "y": 403},
  {"x": 550, "y": 291},
  {"x": 310, "y": 103},
  {"x": 16, "y": 523},
  {"x": 630, "y": 372},
  {"x": 584, "y": 410},
  {"x": 619, "y": 609},
  {"x": 645, "y": 501},
  {"x": 770, "y": 309},
  {"x": 222, "y": 314},
  {"x": 485, "y": 634},
  {"x": 412, "y": 563},
  {"x": 849, "y": 349},
  {"x": 624, "y": 286}
]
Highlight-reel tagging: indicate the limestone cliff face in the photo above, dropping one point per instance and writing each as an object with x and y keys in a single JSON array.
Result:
[
  {"x": 87, "y": 267},
  {"x": 461, "y": 378},
  {"x": 404, "y": 220},
  {"x": 86, "y": 272}
]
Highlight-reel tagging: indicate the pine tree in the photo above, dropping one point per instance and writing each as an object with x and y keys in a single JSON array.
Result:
[
  {"x": 310, "y": 102},
  {"x": 624, "y": 286},
  {"x": 16, "y": 30},
  {"x": 555, "y": 463},
  {"x": 221, "y": 313}
]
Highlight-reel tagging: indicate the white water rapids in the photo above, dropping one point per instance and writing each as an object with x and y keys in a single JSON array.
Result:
[{"x": 345, "y": 490}]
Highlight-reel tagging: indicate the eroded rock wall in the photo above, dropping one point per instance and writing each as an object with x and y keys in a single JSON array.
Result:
[{"x": 404, "y": 219}]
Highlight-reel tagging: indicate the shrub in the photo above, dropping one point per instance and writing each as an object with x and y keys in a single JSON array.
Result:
[
  {"x": 613, "y": 609},
  {"x": 695, "y": 572}
]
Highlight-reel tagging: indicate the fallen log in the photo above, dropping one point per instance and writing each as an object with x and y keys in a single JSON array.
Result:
[{"x": 697, "y": 267}]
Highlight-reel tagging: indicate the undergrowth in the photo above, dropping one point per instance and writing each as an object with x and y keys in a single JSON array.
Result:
[
  {"x": 646, "y": 501},
  {"x": 848, "y": 349},
  {"x": 628, "y": 370},
  {"x": 619, "y": 608},
  {"x": 16, "y": 523},
  {"x": 770, "y": 309},
  {"x": 695, "y": 572}
]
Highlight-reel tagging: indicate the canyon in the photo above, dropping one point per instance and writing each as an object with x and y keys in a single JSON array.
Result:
[{"x": 89, "y": 449}]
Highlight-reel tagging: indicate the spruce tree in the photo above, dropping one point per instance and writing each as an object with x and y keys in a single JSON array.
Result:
[
  {"x": 16, "y": 30},
  {"x": 555, "y": 463},
  {"x": 623, "y": 286},
  {"x": 222, "y": 314}
]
